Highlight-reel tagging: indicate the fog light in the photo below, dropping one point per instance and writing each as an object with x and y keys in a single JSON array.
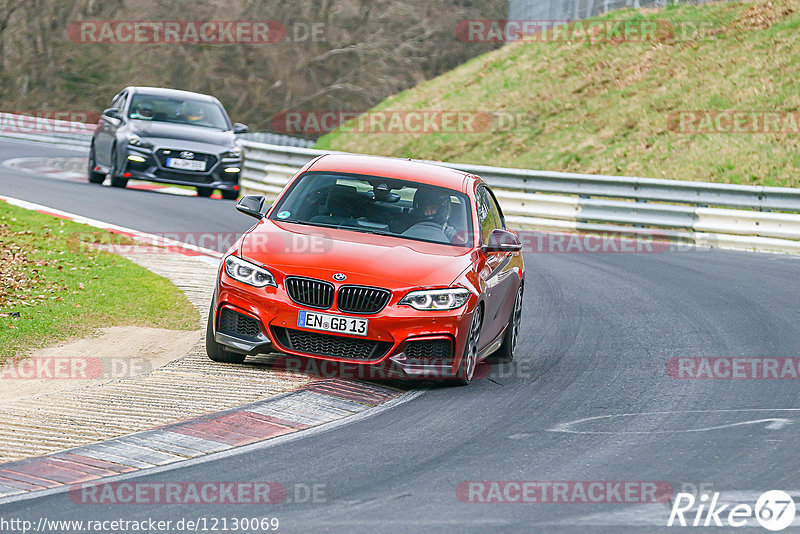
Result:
[
  {"x": 233, "y": 169},
  {"x": 137, "y": 159}
]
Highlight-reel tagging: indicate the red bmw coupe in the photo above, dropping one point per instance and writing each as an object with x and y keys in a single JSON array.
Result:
[{"x": 372, "y": 261}]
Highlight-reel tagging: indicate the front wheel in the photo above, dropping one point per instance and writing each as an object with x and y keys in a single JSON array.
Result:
[
  {"x": 204, "y": 192},
  {"x": 505, "y": 353},
  {"x": 215, "y": 351},
  {"x": 116, "y": 179},
  {"x": 469, "y": 361},
  {"x": 229, "y": 195},
  {"x": 94, "y": 176}
]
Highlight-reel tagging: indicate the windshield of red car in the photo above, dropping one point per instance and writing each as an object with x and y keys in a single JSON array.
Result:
[{"x": 373, "y": 204}]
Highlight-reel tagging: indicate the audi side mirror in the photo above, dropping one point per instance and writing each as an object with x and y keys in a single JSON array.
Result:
[
  {"x": 502, "y": 241},
  {"x": 112, "y": 113},
  {"x": 252, "y": 205},
  {"x": 240, "y": 128}
]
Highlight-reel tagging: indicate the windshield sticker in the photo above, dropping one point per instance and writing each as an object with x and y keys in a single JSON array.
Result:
[{"x": 284, "y": 214}]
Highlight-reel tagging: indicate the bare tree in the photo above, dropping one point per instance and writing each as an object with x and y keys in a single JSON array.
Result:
[{"x": 362, "y": 52}]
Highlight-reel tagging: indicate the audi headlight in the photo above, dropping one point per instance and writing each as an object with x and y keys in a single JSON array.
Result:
[
  {"x": 234, "y": 153},
  {"x": 135, "y": 140},
  {"x": 437, "y": 299},
  {"x": 247, "y": 273}
]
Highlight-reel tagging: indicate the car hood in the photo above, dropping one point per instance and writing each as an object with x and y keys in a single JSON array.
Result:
[
  {"x": 364, "y": 258},
  {"x": 185, "y": 132}
]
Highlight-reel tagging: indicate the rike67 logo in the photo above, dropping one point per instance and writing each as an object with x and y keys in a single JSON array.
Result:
[{"x": 774, "y": 510}]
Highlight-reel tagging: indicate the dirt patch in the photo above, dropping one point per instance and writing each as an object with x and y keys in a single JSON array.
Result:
[
  {"x": 117, "y": 353},
  {"x": 763, "y": 15}
]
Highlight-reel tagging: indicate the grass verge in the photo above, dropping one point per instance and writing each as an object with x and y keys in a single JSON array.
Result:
[{"x": 54, "y": 285}]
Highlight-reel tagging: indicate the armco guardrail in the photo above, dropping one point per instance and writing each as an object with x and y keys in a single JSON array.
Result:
[
  {"x": 728, "y": 216},
  {"x": 271, "y": 138},
  {"x": 79, "y": 134},
  {"x": 46, "y": 130}
]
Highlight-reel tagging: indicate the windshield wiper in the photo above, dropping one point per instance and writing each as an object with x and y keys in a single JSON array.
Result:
[
  {"x": 366, "y": 231},
  {"x": 307, "y": 223},
  {"x": 339, "y": 227}
]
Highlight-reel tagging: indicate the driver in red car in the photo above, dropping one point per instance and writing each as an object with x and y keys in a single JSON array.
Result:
[{"x": 434, "y": 207}]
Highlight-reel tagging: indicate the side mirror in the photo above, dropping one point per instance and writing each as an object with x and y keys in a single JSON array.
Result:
[
  {"x": 502, "y": 241},
  {"x": 240, "y": 128},
  {"x": 112, "y": 113},
  {"x": 252, "y": 205}
]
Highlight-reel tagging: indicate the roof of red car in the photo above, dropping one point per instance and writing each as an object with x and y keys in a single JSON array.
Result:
[{"x": 404, "y": 169}]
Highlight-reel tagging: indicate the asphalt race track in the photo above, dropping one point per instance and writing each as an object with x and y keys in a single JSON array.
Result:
[
  {"x": 147, "y": 211},
  {"x": 599, "y": 329}
]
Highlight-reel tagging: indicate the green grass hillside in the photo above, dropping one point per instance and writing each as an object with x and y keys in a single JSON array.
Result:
[{"x": 610, "y": 107}]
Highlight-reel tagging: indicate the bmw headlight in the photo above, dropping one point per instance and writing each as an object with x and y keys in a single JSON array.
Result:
[
  {"x": 247, "y": 273},
  {"x": 135, "y": 140},
  {"x": 437, "y": 299},
  {"x": 234, "y": 153}
]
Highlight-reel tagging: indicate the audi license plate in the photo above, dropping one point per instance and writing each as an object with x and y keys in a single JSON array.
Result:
[
  {"x": 186, "y": 164},
  {"x": 333, "y": 323}
]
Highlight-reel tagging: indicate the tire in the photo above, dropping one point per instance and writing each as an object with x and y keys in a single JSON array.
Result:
[
  {"x": 215, "y": 351},
  {"x": 505, "y": 353},
  {"x": 94, "y": 177},
  {"x": 204, "y": 192},
  {"x": 466, "y": 369},
  {"x": 116, "y": 180},
  {"x": 229, "y": 195}
]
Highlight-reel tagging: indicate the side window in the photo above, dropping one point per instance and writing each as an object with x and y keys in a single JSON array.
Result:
[
  {"x": 485, "y": 215},
  {"x": 122, "y": 101},
  {"x": 499, "y": 220},
  {"x": 119, "y": 101}
]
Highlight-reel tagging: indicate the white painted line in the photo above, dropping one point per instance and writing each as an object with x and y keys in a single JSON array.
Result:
[
  {"x": 140, "y": 185},
  {"x": 775, "y": 423},
  {"x": 136, "y": 234},
  {"x": 63, "y": 175}
]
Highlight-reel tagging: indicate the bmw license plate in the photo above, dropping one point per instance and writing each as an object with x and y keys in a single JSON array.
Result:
[
  {"x": 186, "y": 164},
  {"x": 333, "y": 323}
]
